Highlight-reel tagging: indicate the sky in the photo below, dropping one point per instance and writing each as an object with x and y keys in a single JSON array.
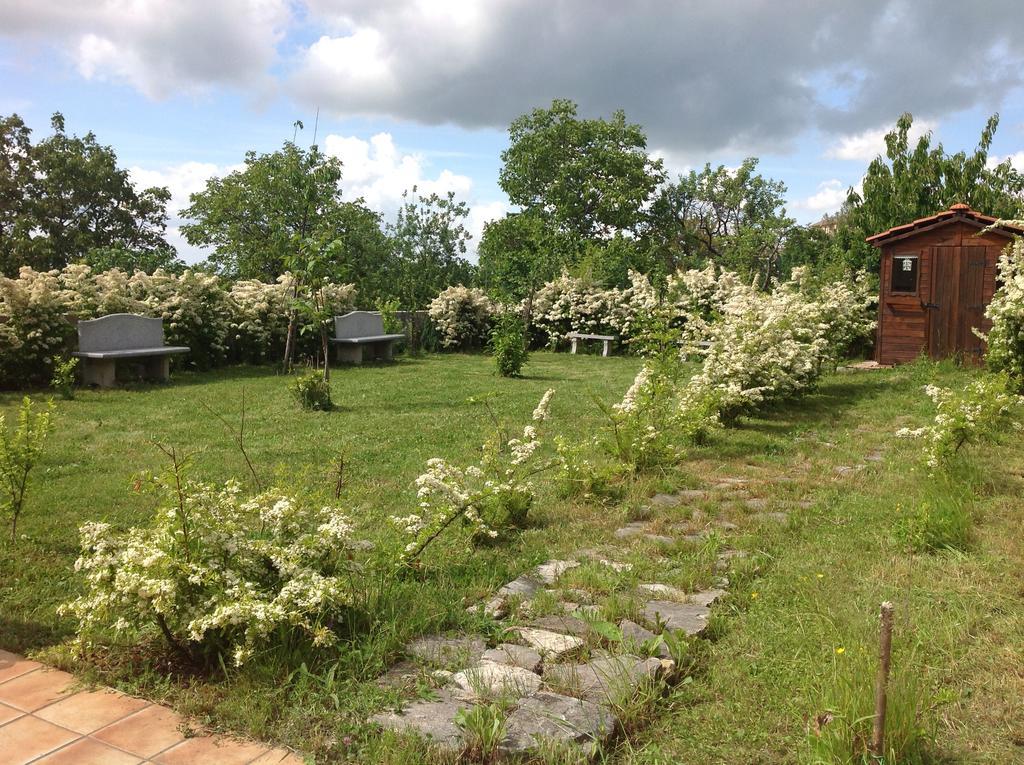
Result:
[{"x": 421, "y": 92}]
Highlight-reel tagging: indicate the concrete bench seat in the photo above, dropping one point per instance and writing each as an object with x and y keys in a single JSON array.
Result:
[
  {"x": 166, "y": 350},
  {"x": 370, "y": 339},
  {"x": 361, "y": 333},
  {"x": 104, "y": 341},
  {"x": 606, "y": 340}
]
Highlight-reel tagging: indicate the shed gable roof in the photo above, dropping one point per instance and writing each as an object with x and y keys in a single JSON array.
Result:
[{"x": 958, "y": 213}]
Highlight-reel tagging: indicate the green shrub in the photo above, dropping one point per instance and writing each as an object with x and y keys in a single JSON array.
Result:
[
  {"x": 312, "y": 392},
  {"x": 219, "y": 575},
  {"x": 19, "y": 451},
  {"x": 63, "y": 380},
  {"x": 508, "y": 344}
]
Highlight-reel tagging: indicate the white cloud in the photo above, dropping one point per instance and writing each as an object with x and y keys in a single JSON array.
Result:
[
  {"x": 379, "y": 173},
  {"x": 159, "y": 47},
  {"x": 865, "y": 146},
  {"x": 1016, "y": 159},
  {"x": 829, "y": 197},
  {"x": 481, "y": 214}
]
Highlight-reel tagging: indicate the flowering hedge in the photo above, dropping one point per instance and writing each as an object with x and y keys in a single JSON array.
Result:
[
  {"x": 1006, "y": 312},
  {"x": 462, "y": 316},
  {"x": 218, "y": 320},
  {"x": 769, "y": 346}
]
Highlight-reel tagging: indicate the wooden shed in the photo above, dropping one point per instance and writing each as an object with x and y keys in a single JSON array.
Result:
[{"x": 937, "y": 276}]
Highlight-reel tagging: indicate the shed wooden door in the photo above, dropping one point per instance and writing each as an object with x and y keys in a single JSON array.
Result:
[
  {"x": 957, "y": 302},
  {"x": 971, "y": 303},
  {"x": 942, "y": 306}
]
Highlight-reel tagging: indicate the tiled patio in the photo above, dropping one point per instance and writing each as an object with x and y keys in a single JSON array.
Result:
[{"x": 42, "y": 721}]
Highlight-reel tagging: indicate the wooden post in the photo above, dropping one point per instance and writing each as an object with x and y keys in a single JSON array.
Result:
[{"x": 884, "y": 656}]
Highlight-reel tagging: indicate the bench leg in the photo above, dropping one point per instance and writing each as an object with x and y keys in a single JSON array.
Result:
[
  {"x": 605, "y": 351},
  {"x": 385, "y": 350},
  {"x": 99, "y": 372},
  {"x": 573, "y": 346},
  {"x": 350, "y": 354},
  {"x": 158, "y": 368}
]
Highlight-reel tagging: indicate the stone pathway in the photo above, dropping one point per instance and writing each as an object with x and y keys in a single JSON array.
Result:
[
  {"x": 560, "y": 675},
  {"x": 44, "y": 721}
]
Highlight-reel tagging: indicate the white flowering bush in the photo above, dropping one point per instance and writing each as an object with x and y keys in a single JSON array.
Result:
[
  {"x": 462, "y": 316},
  {"x": 984, "y": 408},
  {"x": 218, "y": 574},
  {"x": 34, "y": 325},
  {"x": 489, "y": 498},
  {"x": 244, "y": 321},
  {"x": 569, "y": 304},
  {"x": 1006, "y": 312},
  {"x": 769, "y": 346}
]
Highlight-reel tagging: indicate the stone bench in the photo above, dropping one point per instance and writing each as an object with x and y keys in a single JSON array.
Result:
[
  {"x": 575, "y": 337},
  {"x": 104, "y": 341},
  {"x": 359, "y": 333}
]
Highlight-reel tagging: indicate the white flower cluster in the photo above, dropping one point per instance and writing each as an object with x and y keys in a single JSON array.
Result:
[
  {"x": 218, "y": 574},
  {"x": 1006, "y": 312},
  {"x": 244, "y": 321},
  {"x": 691, "y": 299},
  {"x": 462, "y": 316},
  {"x": 770, "y": 346},
  {"x": 760, "y": 347},
  {"x": 489, "y": 497},
  {"x": 979, "y": 411}
]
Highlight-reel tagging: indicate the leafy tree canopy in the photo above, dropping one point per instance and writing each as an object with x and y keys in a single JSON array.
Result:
[
  {"x": 914, "y": 181},
  {"x": 518, "y": 253},
  {"x": 257, "y": 217},
  {"x": 590, "y": 177},
  {"x": 429, "y": 239},
  {"x": 105, "y": 258},
  {"x": 252, "y": 217},
  {"x": 733, "y": 218},
  {"x": 65, "y": 195}
]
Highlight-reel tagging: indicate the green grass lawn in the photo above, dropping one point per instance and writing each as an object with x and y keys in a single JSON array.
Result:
[{"x": 793, "y": 639}]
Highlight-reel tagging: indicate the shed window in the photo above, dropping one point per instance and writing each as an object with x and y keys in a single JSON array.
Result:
[{"x": 904, "y": 273}]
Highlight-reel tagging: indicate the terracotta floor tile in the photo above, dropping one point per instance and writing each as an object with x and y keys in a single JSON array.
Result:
[
  {"x": 144, "y": 733},
  {"x": 89, "y": 711},
  {"x": 211, "y": 750},
  {"x": 35, "y": 689},
  {"x": 87, "y": 751},
  {"x": 279, "y": 757},
  {"x": 12, "y": 665},
  {"x": 9, "y": 713},
  {"x": 27, "y": 738}
]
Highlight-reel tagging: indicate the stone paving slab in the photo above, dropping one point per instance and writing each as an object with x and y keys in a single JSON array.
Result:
[
  {"x": 554, "y": 717},
  {"x": 434, "y": 720},
  {"x": 690, "y": 618},
  {"x": 46, "y": 721},
  {"x": 603, "y": 680}
]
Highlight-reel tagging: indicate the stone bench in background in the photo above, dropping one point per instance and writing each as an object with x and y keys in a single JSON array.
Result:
[
  {"x": 361, "y": 333},
  {"x": 575, "y": 337},
  {"x": 104, "y": 341}
]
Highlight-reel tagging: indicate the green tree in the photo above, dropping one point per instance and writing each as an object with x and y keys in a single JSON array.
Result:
[
  {"x": 914, "y": 181},
  {"x": 429, "y": 243},
  {"x": 733, "y": 218},
  {"x": 517, "y": 254},
  {"x": 65, "y": 196},
  {"x": 590, "y": 177},
  {"x": 105, "y": 258},
  {"x": 252, "y": 216}
]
